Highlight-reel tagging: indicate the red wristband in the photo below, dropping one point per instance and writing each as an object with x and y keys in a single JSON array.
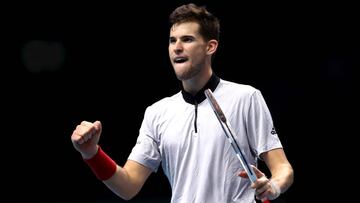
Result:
[{"x": 102, "y": 165}]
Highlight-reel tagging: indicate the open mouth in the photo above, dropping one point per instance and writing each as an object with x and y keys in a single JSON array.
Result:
[{"x": 180, "y": 59}]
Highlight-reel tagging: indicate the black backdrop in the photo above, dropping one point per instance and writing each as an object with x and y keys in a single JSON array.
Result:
[{"x": 112, "y": 61}]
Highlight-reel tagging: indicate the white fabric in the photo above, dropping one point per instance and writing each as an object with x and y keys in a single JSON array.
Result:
[{"x": 202, "y": 167}]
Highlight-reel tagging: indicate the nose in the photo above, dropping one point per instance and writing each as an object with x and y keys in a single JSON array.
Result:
[{"x": 178, "y": 48}]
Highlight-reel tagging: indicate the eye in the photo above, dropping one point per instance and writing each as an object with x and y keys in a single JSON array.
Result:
[
  {"x": 188, "y": 39},
  {"x": 172, "y": 40}
]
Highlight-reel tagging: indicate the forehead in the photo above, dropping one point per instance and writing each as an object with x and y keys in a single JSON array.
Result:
[{"x": 186, "y": 28}]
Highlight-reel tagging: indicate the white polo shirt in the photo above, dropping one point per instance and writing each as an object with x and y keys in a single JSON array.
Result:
[{"x": 184, "y": 135}]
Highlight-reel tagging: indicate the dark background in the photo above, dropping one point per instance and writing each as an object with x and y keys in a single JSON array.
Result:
[{"x": 66, "y": 62}]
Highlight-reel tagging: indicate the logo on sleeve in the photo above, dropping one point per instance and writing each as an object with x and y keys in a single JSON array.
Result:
[{"x": 273, "y": 131}]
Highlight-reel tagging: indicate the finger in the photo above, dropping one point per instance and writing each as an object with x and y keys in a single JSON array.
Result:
[
  {"x": 77, "y": 138},
  {"x": 257, "y": 172},
  {"x": 263, "y": 188},
  {"x": 263, "y": 195},
  {"x": 93, "y": 128},
  {"x": 86, "y": 123},
  {"x": 260, "y": 181},
  {"x": 80, "y": 134},
  {"x": 81, "y": 129},
  {"x": 85, "y": 128},
  {"x": 97, "y": 125},
  {"x": 87, "y": 137},
  {"x": 80, "y": 141}
]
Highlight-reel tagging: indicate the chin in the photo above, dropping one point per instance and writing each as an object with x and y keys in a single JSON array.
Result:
[
  {"x": 184, "y": 76},
  {"x": 184, "y": 71},
  {"x": 181, "y": 72},
  {"x": 180, "y": 76}
]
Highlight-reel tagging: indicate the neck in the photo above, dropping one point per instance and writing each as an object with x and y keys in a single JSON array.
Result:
[{"x": 194, "y": 84}]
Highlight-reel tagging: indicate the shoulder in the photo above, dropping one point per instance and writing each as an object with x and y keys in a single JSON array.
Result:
[
  {"x": 237, "y": 89},
  {"x": 164, "y": 103}
]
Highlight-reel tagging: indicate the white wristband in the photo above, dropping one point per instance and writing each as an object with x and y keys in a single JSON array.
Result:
[{"x": 276, "y": 189}]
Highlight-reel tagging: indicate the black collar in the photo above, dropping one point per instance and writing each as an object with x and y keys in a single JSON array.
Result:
[{"x": 200, "y": 96}]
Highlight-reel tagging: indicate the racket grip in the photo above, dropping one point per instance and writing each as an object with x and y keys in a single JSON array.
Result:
[{"x": 265, "y": 201}]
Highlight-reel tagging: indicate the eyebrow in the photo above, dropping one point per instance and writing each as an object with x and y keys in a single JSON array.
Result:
[{"x": 183, "y": 36}]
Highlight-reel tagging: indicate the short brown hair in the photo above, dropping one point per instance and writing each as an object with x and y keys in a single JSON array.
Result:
[{"x": 209, "y": 24}]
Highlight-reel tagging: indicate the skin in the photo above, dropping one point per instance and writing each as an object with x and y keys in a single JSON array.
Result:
[
  {"x": 185, "y": 41},
  {"x": 128, "y": 180},
  {"x": 194, "y": 71},
  {"x": 282, "y": 175}
]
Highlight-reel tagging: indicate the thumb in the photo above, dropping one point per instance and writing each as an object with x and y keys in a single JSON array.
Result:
[
  {"x": 257, "y": 172},
  {"x": 98, "y": 127}
]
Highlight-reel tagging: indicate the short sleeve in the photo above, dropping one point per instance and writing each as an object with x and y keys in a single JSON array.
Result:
[
  {"x": 261, "y": 131},
  {"x": 146, "y": 149}
]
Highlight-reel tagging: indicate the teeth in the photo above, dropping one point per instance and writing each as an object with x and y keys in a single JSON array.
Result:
[{"x": 180, "y": 60}]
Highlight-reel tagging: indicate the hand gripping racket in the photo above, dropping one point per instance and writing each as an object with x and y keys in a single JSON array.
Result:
[{"x": 229, "y": 132}]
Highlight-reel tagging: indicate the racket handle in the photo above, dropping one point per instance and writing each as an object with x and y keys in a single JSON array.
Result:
[{"x": 265, "y": 201}]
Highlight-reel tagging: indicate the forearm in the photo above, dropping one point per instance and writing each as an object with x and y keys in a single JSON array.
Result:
[
  {"x": 122, "y": 184},
  {"x": 283, "y": 176},
  {"x": 282, "y": 173},
  {"x": 125, "y": 181}
]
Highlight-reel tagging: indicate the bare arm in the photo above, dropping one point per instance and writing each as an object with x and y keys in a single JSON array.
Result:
[
  {"x": 282, "y": 172},
  {"x": 128, "y": 180},
  {"x": 282, "y": 175}
]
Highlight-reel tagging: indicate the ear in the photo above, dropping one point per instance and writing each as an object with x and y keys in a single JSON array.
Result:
[{"x": 212, "y": 46}]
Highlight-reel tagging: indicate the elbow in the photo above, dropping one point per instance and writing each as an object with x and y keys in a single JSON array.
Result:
[
  {"x": 292, "y": 176},
  {"x": 128, "y": 195},
  {"x": 289, "y": 179}
]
